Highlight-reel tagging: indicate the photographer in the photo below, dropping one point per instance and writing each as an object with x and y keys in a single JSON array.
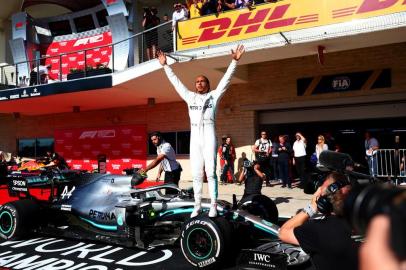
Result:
[
  {"x": 328, "y": 240},
  {"x": 253, "y": 178}
]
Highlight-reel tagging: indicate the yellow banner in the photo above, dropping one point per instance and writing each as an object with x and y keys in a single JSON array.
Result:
[{"x": 277, "y": 17}]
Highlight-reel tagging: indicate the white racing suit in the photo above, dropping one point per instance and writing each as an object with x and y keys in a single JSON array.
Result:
[{"x": 203, "y": 145}]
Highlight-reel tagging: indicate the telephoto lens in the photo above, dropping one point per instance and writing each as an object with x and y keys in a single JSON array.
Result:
[{"x": 366, "y": 201}]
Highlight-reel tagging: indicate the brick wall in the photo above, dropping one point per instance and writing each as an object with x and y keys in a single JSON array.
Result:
[{"x": 269, "y": 83}]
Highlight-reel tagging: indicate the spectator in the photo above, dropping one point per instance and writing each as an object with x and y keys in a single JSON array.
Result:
[
  {"x": 3, "y": 166},
  {"x": 195, "y": 8},
  {"x": 253, "y": 177},
  {"x": 166, "y": 157},
  {"x": 274, "y": 159},
  {"x": 263, "y": 149},
  {"x": 299, "y": 151},
  {"x": 180, "y": 14},
  {"x": 42, "y": 72},
  {"x": 227, "y": 158},
  {"x": 328, "y": 241},
  {"x": 225, "y": 5},
  {"x": 151, "y": 20},
  {"x": 209, "y": 7},
  {"x": 284, "y": 152},
  {"x": 320, "y": 147},
  {"x": 242, "y": 3},
  {"x": 240, "y": 163},
  {"x": 371, "y": 144}
]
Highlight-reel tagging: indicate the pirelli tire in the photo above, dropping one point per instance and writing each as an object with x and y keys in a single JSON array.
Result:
[
  {"x": 261, "y": 206},
  {"x": 206, "y": 242},
  {"x": 17, "y": 218}
]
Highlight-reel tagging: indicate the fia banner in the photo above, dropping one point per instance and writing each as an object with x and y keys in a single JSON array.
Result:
[{"x": 124, "y": 147}]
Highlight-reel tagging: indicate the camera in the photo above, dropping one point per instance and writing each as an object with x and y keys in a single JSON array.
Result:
[
  {"x": 247, "y": 164},
  {"x": 366, "y": 201},
  {"x": 147, "y": 12}
]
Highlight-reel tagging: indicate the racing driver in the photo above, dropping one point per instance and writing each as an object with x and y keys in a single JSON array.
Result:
[{"x": 202, "y": 106}]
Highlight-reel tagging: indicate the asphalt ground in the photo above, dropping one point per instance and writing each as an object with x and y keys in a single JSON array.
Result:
[
  {"x": 45, "y": 253},
  {"x": 288, "y": 201}
]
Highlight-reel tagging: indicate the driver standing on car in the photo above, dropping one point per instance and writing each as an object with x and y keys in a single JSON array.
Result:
[
  {"x": 166, "y": 159},
  {"x": 328, "y": 240},
  {"x": 202, "y": 105}
]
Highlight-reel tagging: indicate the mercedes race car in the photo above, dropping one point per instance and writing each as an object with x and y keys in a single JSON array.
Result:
[{"x": 119, "y": 209}]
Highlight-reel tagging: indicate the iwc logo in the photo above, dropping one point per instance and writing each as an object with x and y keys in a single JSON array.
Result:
[{"x": 341, "y": 83}]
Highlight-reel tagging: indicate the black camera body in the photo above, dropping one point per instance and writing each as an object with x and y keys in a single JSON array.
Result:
[{"x": 368, "y": 199}]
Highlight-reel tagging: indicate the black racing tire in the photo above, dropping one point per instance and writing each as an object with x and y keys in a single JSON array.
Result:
[
  {"x": 206, "y": 242},
  {"x": 261, "y": 206},
  {"x": 17, "y": 218}
]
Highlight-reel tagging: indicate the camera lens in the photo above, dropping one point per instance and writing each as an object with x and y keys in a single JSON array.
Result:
[{"x": 365, "y": 202}]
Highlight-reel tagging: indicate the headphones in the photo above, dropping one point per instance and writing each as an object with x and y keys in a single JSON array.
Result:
[{"x": 324, "y": 204}]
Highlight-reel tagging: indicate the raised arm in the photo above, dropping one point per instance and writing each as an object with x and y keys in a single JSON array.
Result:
[
  {"x": 177, "y": 84},
  {"x": 225, "y": 81}
]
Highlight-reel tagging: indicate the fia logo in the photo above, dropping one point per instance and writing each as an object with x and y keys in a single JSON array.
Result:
[{"x": 341, "y": 83}]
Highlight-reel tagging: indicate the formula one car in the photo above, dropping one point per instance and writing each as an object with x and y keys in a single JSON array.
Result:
[{"x": 114, "y": 209}]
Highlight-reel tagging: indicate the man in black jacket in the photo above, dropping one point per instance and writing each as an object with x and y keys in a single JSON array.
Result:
[
  {"x": 328, "y": 240},
  {"x": 253, "y": 177}
]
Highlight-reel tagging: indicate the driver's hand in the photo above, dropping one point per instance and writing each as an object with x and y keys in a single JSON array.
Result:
[{"x": 141, "y": 171}]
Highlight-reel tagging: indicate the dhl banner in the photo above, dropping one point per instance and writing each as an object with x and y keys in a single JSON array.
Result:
[{"x": 278, "y": 17}]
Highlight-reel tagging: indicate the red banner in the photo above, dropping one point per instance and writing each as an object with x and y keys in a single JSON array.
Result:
[
  {"x": 94, "y": 57},
  {"x": 124, "y": 146}
]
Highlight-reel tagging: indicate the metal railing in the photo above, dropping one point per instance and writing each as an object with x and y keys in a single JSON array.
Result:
[
  {"x": 389, "y": 163},
  {"x": 161, "y": 37}
]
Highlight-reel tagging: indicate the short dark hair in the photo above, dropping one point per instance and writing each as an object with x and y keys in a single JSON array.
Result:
[{"x": 157, "y": 134}]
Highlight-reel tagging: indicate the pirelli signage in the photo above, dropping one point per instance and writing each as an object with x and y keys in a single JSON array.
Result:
[{"x": 277, "y": 17}]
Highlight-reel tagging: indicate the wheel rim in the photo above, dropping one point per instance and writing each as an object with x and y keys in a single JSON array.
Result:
[
  {"x": 199, "y": 243},
  {"x": 6, "y": 222}
]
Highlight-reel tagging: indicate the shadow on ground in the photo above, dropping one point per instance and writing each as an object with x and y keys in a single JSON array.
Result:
[{"x": 279, "y": 200}]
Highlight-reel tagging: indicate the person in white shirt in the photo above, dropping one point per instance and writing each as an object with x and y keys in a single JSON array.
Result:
[
  {"x": 299, "y": 151},
  {"x": 262, "y": 150},
  {"x": 320, "y": 147},
  {"x": 180, "y": 14},
  {"x": 202, "y": 104},
  {"x": 166, "y": 158}
]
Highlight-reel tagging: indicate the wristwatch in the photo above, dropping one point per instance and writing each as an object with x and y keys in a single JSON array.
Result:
[{"x": 309, "y": 210}]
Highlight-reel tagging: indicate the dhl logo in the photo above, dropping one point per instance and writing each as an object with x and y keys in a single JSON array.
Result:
[{"x": 268, "y": 18}]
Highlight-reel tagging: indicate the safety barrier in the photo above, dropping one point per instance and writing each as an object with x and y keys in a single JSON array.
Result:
[{"x": 388, "y": 163}]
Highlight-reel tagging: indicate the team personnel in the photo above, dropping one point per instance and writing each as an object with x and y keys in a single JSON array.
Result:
[
  {"x": 53, "y": 159},
  {"x": 253, "y": 177},
  {"x": 328, "y": 240},
  {"x": 227, "y": 156},
  {"x": 202, "y": 105},
  {"x": 167, "y": 159},
  {"x": 263, "y": 150}
]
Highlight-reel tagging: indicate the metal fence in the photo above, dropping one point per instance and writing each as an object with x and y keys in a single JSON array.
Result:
[
  {"x": 142, "y": 46},
  {"x": 389, "y": 163}
]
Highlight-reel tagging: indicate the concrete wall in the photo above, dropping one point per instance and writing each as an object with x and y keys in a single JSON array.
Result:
[{"x": 269, "y": 83}]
